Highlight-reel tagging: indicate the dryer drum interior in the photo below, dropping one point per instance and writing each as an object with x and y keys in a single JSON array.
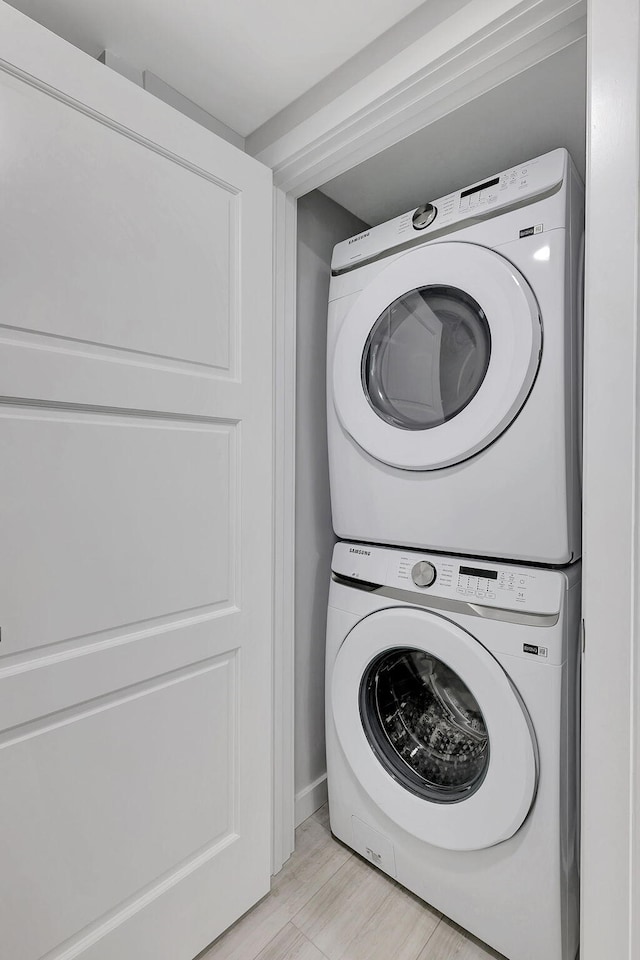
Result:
[
  {"x": 424, "y": 725},
  {"x": 426, "y": 357}
]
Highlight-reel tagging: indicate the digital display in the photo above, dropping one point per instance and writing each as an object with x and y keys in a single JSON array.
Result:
[
  {"x": 481, "y": 186},
  {"x": 472, "y": 572}
]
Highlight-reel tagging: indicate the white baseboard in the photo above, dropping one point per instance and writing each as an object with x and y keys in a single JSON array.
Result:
[{"x": 311, "y": 799}]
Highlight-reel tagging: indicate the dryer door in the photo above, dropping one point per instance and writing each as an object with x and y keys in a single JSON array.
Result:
[
  {"x": 437, "y": 356},
  {"x": 433, "y": 729}
]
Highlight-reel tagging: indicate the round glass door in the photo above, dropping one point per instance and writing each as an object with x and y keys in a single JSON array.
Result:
[
  {"x": 436, "y": 356},
  {"x": 433, "y": 729},
  {"x": 426, "y": 357},
  {"x": 424, "y": 725}
]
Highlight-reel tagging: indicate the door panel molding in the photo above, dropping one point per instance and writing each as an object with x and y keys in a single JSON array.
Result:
[
  {"x": 214, "y": 347},
  {"x": 41, "y": 59},
  {"x": 101, "y": 932},
  {"x": 33, "y": 81},
  {"x": 56, "y": 681},
  {"x": 154, "y": 701}
]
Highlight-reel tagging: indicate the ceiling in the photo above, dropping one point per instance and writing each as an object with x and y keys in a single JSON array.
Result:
[
  {"x": 542, "y": 108},
  {"x": 242, "y": 62}
]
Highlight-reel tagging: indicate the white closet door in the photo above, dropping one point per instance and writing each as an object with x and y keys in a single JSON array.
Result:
[{"x": 135, "y": 516}]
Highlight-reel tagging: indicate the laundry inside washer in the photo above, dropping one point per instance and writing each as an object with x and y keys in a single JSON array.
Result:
[{"x": 424, "y": 724}]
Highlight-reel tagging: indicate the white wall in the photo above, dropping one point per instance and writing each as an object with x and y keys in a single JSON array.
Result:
[{"x": 321, "y": 224}]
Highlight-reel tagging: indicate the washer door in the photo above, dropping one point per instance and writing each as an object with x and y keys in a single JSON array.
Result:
[
  {"x": 433, "y": 729},
  {"x": 437, "y": 356}
]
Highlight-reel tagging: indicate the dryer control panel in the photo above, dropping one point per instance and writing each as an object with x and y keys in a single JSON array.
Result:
[
  {"x": 499, "y": 585},
  {"x": 508, "y": 189}
]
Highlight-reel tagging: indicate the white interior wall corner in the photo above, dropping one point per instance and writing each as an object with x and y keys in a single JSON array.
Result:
[{"x": 321, "y": 224}]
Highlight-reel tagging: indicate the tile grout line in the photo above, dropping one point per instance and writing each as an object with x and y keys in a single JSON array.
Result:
[
  {"x": 331, "y": 876},
  {"x": 267, "y": 944},
  {"x": 440, "y": 918},
  {"x": 316, "y": 892},
  {"x": 264, "y": 946},
  {"x": 366, "y": 924},
  {"x": 303, "y": 905},
  {"x": 429, "y": 938},
  {"x": 395, "y": 883},
  {"x": 355, "y": 936},
  {"x": 290, "y": 920},
  {"x": 309, "y": 940}
]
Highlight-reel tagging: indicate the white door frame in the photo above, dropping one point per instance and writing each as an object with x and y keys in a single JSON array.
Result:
[
  {"x": 611, "y": 592},
  {"x": 484, "y": 44}
]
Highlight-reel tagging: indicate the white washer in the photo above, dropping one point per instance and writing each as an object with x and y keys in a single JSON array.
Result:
[
  {"x": 454, "y": 371},
  {"x": 452, "y": 739}
]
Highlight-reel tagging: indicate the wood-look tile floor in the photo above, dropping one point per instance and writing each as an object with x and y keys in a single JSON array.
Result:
[{"x": 329, "y": 904}]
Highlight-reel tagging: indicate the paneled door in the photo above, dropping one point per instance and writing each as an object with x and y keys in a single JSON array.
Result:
[{"x": 135, "y": 516}]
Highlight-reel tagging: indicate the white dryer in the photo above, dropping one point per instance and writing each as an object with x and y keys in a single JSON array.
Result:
[
  {"x": 454, "y": 371},
  {"x": 451, "y": 711}
]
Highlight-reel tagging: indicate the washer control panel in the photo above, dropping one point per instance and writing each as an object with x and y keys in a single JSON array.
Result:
[
  {"x": 501, "y": 585},
  {"x": 508, "y": 583},
  {"x": 512, "y": 187}
]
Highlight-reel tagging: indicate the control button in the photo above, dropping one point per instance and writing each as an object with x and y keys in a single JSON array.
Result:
[
  {"x": 491, "y": 596},
  {"x": 524, "y": 171},
  {"x": 424, "y": 215},
  {"x": 423, "y": 573}
]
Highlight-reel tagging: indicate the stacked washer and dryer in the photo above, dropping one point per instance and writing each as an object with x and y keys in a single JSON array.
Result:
[{"x": 454, "y": 358}]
